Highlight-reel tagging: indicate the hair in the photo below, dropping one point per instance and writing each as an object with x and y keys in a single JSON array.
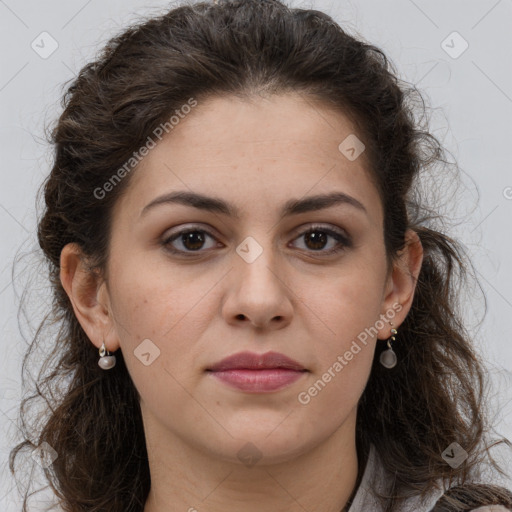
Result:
[{"x": 411, "y": 413}]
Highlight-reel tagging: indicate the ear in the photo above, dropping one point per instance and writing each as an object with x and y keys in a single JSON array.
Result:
[
  {"x": 401, "y": 283},
  {"x": 89, "y": 296}
]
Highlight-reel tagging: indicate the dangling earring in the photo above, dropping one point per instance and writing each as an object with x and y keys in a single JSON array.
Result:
[
  {"x": 106, "y": 361},
  {"x": 388, "y": 357}
]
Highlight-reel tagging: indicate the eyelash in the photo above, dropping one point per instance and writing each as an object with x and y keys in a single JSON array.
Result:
[{"x": 345, "y": 241}]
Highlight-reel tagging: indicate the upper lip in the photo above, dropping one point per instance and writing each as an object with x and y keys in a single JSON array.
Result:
[{"x": 253, "y": 361}]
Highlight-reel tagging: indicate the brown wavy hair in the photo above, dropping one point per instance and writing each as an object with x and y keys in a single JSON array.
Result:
[{"x": 411, "y": 413}]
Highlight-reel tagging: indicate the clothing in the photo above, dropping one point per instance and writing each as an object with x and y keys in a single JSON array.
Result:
[
  {"x": 374, "y": 477},
  {"x": 491, "y": 508}
]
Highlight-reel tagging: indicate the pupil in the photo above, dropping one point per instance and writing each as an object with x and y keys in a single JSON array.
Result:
[
  {"x": 189, "y": 237},
  {"x": 316, "y": 239}
]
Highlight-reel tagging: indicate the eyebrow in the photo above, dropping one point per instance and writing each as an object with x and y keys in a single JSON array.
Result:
[{"x": 215, "y": 205}]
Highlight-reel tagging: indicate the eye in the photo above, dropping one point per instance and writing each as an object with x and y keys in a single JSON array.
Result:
[
  {"x": 191, "y": 239},
  {"x": 316, "y": 238}
]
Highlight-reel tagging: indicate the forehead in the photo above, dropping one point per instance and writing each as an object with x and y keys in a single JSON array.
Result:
[
  {"x": 291, "y": 124},
  {"x": 275, "y": 148}
]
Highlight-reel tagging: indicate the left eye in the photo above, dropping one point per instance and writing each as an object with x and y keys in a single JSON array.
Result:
[
  {"x": 317, "y": 236},
  {"x": 192, "y": 240}
]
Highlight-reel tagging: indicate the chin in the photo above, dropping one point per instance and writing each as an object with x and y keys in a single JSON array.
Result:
[{"x": 259, "y": 444}]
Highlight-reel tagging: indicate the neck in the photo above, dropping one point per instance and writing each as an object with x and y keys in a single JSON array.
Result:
[{"x": 184, "y": 478}]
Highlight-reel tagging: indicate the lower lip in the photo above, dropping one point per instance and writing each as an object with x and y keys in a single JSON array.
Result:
[{"x": 259, "y": 381}]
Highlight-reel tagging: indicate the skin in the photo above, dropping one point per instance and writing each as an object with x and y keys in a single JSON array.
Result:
[{"x": 203, "y": 306}]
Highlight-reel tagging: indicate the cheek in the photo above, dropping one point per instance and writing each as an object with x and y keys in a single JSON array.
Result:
[
  {"x": 344, "y": 358},
  {"x": 149, "y": 296},
  {"x": 156, "y": 330},
  {"x": 160, "y": 313},
  {"x": 338, "y": 380},
  {"x": 348, "y": 303},
  {"x": 346, "y": 320}
]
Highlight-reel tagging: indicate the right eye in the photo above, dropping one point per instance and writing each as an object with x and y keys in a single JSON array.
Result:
[{"x": 190, "y": 239}]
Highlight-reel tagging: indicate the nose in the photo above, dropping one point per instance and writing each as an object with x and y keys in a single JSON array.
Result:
[{"x": 257, "y": 294}]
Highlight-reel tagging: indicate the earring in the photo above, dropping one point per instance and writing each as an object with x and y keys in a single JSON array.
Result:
[
  {"x": 106, "y": 361},
  {"x": 388, "y": 357}
]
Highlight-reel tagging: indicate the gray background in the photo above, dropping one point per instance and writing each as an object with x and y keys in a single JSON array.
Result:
[{"x": 471, "y": 98}]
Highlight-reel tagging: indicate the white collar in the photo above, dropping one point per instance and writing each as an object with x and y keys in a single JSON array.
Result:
[{"x": 375, "y": 477}]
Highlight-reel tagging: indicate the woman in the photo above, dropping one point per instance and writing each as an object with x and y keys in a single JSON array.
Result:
[{"x": 257, "y": 311}]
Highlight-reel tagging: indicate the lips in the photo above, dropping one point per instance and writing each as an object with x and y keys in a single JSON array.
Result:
[
  {"x": 257, "y": 373},
  {"x": 253, "y": 361}
]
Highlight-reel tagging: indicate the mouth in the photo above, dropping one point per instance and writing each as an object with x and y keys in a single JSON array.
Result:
[{"x": 257, "y": 373}]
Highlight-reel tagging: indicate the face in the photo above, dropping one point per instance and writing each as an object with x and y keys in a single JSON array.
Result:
[{"x": 188, "y": 285}]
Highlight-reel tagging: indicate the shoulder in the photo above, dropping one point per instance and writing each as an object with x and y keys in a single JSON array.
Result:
[
  {"x": 468, "y": 497},
  {"x": 475, "y": 497},
  {"x": 491, "y": 508}
]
